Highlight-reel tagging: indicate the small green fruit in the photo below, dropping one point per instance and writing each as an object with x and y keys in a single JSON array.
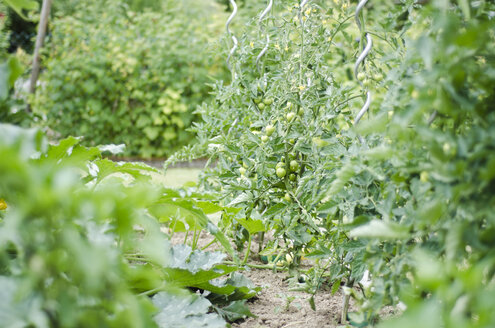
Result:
[
  {"x": 261, "y": 106},
  {"x": 361, "y": 76},
  {"x": 264, "y": 138},
  {"x": 292, "y": 177},
  {"x": 280, "y": 164},
  {"x": 287, "y": 197},
  {"x": 268, "y": 101},
  {"x": 378, "y": 77},
  {"x": 291, "y": 116},
  {"x": 281, "y": 172},
  {"x": 269, "y": 130},
  {"x": 294, "y": 166},
  {"x": 242, "y": 170}
]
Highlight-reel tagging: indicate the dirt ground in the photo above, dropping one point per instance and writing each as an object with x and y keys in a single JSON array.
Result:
[{"x": 277, "y": 306}]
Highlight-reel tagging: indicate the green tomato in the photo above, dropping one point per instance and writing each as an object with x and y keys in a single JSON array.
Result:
[
  {"x": 367, "y": 83},
  {"x": 291, "y": 116},
  {"x": 287, "y": 197},
  {"x": 257, "y": 100},
  {"x": 269, "y": 130},
  {"x": 261, "y": 106},
  {"x": 378, "y": 77},
  {"x": 268, "y": 101},
  {"x": 281, "y": 172},
  {"x": 294, "y": 166},
  {"x": 424, "y": 176},
  {"x": 264, "y": 138},
  {"x": 280, "y": 164},
  {"x": 361, "y": 76},
  {"x": 242, "y": 170},
  {"x": 292, "y": 141},
  {"x": 292, "y": 177}
]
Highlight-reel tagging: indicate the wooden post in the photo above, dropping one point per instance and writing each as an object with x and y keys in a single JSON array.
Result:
[{"x": 40, "y": 38}]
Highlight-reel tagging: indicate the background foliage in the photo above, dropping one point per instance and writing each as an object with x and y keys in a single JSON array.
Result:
[{"x": 114, "y": 75}]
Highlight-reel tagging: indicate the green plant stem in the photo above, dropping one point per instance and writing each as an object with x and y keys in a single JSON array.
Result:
[
  {"x": 258, "y": 266},
  {"x": 153, "y": 291},
  {"x": 136, "y": 258},
  {"x": 209, "y": 244},
  {"x": 195, "y": 239},
  {"x": 261, "y": 236},
  {"x": 187, "y": 235},
  {"x": 248, "y": 250}
]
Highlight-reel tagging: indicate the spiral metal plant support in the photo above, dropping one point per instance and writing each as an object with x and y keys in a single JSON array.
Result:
[
  {"x": 234, "y": 39},
  {"x": 361, "y": 57},
  {"x": 267, "y": 43},
  {"x": 364, "y": 109},
  {"x": 301, "y": 55}
]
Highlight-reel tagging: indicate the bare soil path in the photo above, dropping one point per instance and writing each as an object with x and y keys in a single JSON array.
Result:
[{"x": 277, "y": 307}]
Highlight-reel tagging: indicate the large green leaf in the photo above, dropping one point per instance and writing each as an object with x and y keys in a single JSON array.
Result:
[
  {"x": 185, "y": 311},
  {"x": 30, "y": 142},
  {"x": 381, "y": 230},
  {"x": 4, "y": 80},
  {"x": 20, "y": 5},
  {"x": 19, "y": 313},
  {"x": 188, "y": 268},
  {"x": 183, "y": 257},
  {"x": 174, "y": 206},
  {"x": 10, "y": 71},
  {"x": 200, "y": 279},
  {"x": 252, "y": 226},
  {"x": 235, "y": 311},
  {"x": 136, "y": 170}
]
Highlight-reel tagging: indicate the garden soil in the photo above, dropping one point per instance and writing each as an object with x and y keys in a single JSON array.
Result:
[
  {"x": 274, "y": 308},
  {"x": 277, "y": 306}
]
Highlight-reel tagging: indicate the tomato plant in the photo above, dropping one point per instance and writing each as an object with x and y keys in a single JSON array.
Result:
[
  {"x": 279, "y": 131},
  {"x": 408, "y": 198}
]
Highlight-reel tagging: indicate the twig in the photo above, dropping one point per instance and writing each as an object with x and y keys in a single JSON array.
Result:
[
  {"x": 40, "y": 38},
  {"x": 432, "y": 117}
]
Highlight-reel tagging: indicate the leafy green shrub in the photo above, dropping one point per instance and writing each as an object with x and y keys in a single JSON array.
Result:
[
  {"x": 4, "y": 33},
  {"x": 78, "y": 246},
  {"x": 435, "y": 180},
  {"x": 114, "y": 76},
  {"x": 11, "y": 109}
]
